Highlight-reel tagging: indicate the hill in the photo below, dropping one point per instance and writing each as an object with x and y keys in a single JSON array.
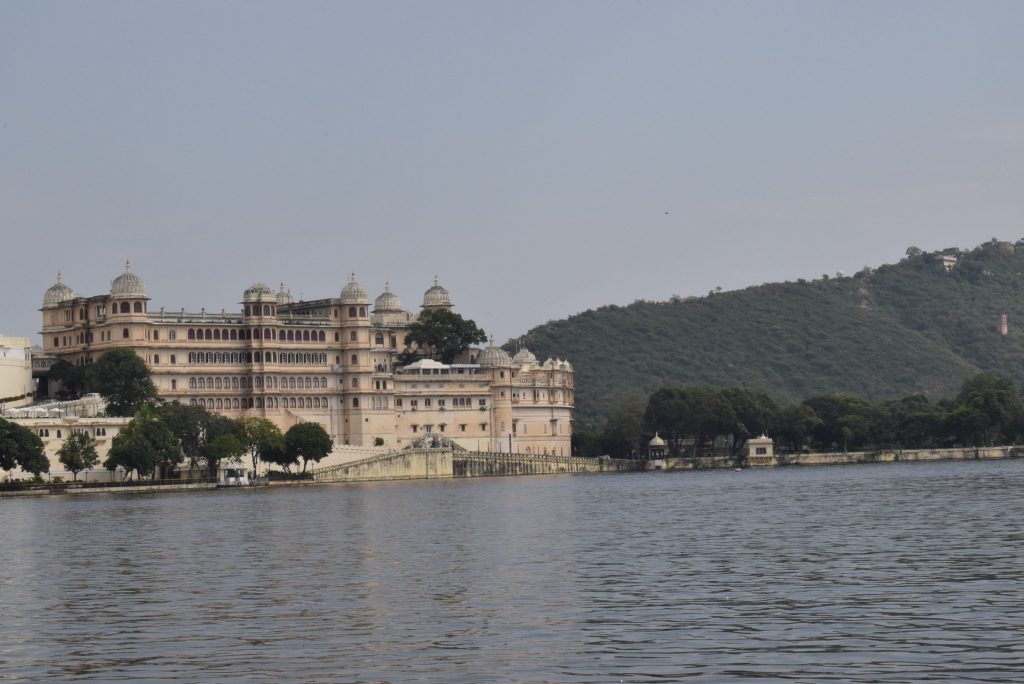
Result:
[{"x": 907, "y": 328}]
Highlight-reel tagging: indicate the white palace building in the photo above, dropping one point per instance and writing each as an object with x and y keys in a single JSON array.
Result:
[{"x": 333, "y": 361}]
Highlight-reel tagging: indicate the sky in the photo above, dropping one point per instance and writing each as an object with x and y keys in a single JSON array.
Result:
[{"x": 540, "y": 158}]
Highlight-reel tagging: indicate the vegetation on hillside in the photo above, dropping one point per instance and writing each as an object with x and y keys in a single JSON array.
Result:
[
  {"x": 910, "y": 328},
  {"x": 698, "y": 420}
]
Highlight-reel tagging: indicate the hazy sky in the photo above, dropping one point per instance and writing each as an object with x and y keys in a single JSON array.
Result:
[{"x": 541, "y": 158}]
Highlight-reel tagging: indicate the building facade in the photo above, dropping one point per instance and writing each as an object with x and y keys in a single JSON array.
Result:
[
  {"x": 16, "y": 386},
  {"x": 333, "y": 361}
]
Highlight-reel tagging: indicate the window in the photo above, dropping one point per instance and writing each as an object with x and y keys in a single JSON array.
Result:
[
  {"x": 415, "y": 428},
  {"x": 355, "y": 402},
  {"x": 398, "y": 403},
  {"x": 462, "y": 428},
  {"x": 336, "y": 338},
  {"x": 156, "y": 334},
  {"x": 124, "y": 333},
  {"x": 352, "y": 336},
  {"x": 172, "y": 335},
  {"x": 761, "y": 451},
  {"x": 355, "y": 359},
  {"x": 174, "y": 384},
  {"x": 351, "y": 312},
  {"x": 379, "y": 339},
  {"x": 156, "y": 358},
  {"x": 394, "y": 342},
  {"x": 173, "y": 361}
]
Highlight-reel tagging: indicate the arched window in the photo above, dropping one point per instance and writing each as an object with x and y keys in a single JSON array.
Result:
[
  {"x": 258, "y": 381},
  {"x": 266, "y": 310},
  {"x": 216, "y": 357},
  {"x": 291, "y": 383},
  {"x": 316, "y": 383},
  {"x": 323, "y": 382},
  {"x": 355, "y": 383},
  {"x": 234, "y": 334},
  {"x": 138, "y": 307},
  {"x": 124, "y": 333},
  {"x": 309, "y": 403},
  {"x": 209, "y": 357},
  {"x": 234, "y": 383},
  {"x": 191, "y": 383},
  {"x": 293, "y": 403},
  {"x": 305, "y": 336},
  {"x": 362, "y": 311},
  {"x": 174, "y": 384},
  {"x": 259, "y": 402},
  {"x": 323, "y": 401},
  {"x": 352, "y": 336},
  {"x": 355, "y": 359},
  {"x": 125, "y": 308},
  {"x": 379, "y": 339},
  {"x": 355, "y": 402},
  {"x": 351, "y": 312},
  {"x": 266, "y": 333},
  {"x": 191, "y": 334},
  {"x": 322, "y": 337},
  {"x": 219, "y": 404},
  {"x": 224, "y": 334},
  {"x": 316, "y": 402},
  {"x": 257, "y": 358},
  {"x": 234, "y": 403},
  {"x": 217, "y": 384}
]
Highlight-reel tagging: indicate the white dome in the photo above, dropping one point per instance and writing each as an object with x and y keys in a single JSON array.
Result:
[
  {"x": 524, "y": 357},
  {"x": 257, "y": 292},
  {"x": 283, "y": 296},
  {"x": 494, "y": 357},
  {"x": 127, "y": 284},
  {"x": 353, "y": 293},
  {"x": 57, "y": 293},
  {"x": 387, "y": 301},
  {"x": 656, "y": 441},
  {"x": 436, "y": 296}
]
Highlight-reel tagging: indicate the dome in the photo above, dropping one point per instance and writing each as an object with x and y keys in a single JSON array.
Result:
[
  {"x": 127, "y": 284},
  {"x": 437, "y": 296},
  {"x": 387, "y": 301},
  {"x": 353, "y": 293},
  {"x": 283, "y": 296},
  {"x": 494, "y": 357},
  {"x": 523, "y": 357},
  {"x": 656, "y": 441},
  {"x": 57, "y": 293},
  {"x": 257, "y": 292}
]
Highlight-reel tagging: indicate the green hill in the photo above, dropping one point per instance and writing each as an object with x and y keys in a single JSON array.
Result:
[{"x": 908, "y": 328}]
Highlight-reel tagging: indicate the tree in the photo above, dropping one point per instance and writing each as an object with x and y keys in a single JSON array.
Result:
[
  {"x": 756, "y": 414},
  {"x": 123, "y": 379},
  {"x": 308, "y": 441},
  {"x": 144, "y": 445},
  {"x": 189, "y": 425},
  {"x": 78, "y": 453},
  {"x": 796, "y": 423},
  {"x": 442, "y": 335},
  {"x": 73, "y": 379},
  {"x": 699, "y": 412},
  {"x": 259, "y": 437},
  {"x": 222, "y": 443},
  {"x": 21, "y": 447},
  {"x": 996, "y": 399},
  {"x": 624, "y": 429},
  {"x": 224, "y": 447}
]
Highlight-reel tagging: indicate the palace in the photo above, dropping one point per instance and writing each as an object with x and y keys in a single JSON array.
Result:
[{"x": 333, "y": 361}]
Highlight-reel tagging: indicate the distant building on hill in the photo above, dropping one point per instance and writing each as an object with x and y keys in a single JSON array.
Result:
[
  {"x": 331, "y": 360},
  {"x": 946, "y": 261}
]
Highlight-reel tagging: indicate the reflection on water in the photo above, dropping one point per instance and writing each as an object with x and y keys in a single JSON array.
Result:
[{"x": 903, "y": 572}]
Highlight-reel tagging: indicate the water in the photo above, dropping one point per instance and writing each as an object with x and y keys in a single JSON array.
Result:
[{"x": 905, "y": 572}]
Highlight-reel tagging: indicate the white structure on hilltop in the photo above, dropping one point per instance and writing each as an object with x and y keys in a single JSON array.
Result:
[{"x": 331, "y": 360}]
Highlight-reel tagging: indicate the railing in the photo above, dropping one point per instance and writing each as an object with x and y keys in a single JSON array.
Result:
[{"x": 57, "y": 487}]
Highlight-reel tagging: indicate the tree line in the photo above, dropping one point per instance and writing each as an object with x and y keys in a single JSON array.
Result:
[
  {"x": 162, "y": 437},
  {"x": 699, "y": 420}
]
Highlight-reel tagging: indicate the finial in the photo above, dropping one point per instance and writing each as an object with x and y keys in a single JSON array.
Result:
[
  {"x": 436, "y": 283},
  {"x": 127, "y": 265},
  {"x": 353, "y": 277},
  {"x": 387, "y": 286},
  {"x": 59, "y": 281}
]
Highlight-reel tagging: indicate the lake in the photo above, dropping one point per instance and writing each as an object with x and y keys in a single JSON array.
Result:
[{"x": 901, "y": 572}]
